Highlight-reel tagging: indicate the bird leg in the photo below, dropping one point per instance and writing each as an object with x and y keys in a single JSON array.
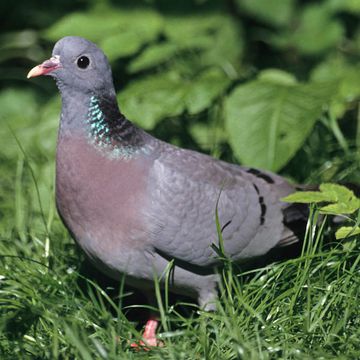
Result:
[{"x": 149, "y": 336}]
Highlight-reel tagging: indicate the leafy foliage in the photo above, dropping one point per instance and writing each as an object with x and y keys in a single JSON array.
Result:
[
  {"x": 153, "y": 98},
  {"x": 268, "y": 119},
  {"x": 178, "y": 64},
  {"x": 119, "y": 33},
  {"x": 342, "y": 202},
  {"x": 347, "y": 231},
  {"x": 187, "y": 62},
  {"x": 343, "y": 199},
  {"x": 273, "y": 12},
  {"x": 347, "y": 77},
  {"x": 309, "y": 38}
]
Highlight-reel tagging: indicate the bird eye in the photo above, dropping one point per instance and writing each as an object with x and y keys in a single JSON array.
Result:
[{"x": 83, "y": 62}]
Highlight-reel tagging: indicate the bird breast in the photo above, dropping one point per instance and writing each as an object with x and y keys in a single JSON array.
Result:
[{"x": 101, "y": 201}]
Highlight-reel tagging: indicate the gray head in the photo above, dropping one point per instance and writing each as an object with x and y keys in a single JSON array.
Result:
[{"x": 79, "y": 65}]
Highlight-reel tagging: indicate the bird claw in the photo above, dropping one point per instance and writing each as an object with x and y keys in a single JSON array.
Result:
[
  {"x": 147, "y": 345},
  {"x": 149, "y": 337}
]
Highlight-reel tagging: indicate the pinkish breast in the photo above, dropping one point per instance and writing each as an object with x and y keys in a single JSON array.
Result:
[{"x": 102, "y": 200}]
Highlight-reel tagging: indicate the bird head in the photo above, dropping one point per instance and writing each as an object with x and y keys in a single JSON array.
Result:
[{"x": 78, "y": 64}]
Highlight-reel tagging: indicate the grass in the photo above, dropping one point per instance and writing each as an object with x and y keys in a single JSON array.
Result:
[{"x": 51, "y": 308}]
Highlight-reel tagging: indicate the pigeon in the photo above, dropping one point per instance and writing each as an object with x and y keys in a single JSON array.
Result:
[{"x": 136, "y": 204}]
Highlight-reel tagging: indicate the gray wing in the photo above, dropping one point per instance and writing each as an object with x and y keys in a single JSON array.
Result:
[{"x": 185, "y": 187}]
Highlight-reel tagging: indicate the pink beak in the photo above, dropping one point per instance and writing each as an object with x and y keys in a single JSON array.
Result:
[{"x": 46, "y": 67}]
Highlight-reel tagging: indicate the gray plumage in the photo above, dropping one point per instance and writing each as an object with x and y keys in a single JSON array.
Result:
[{"x": 133, "y": 202}]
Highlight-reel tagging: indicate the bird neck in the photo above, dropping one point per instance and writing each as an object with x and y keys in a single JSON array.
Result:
[{"x": 98, "y": 118}]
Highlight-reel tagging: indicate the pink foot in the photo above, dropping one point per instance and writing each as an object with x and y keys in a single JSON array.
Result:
[{"x": 149, "y": 336}]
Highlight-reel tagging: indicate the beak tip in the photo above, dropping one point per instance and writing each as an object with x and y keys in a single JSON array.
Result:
[
  {"x": 35, "y": 71},
  {"x": 44, "y": 68}
]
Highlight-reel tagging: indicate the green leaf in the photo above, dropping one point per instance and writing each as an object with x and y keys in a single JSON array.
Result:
[
  {"x": 118, "y": 33},
  {"x": 337, "y": 192},
  {"x": 193, "y": 30},
  {"x": 207, "y": 136},
  {"x": 277, "y": 76},
  {"x": 152, "y": 56},
  {"x": 198, "y": 37},
  {"x": 226, "y": 54},
  {"x": 347, "y": 231},
  {"x": 151, "y": 99},
  {"x": 204, "y": 89},
  {"x": 206, "y": 34},
  {"x": 268, "y": 121},
  {"x": 90, "y": 25},
  {"x": 348, "y": 207},
  {"x": 310, "y": 36},
  {"x": 343, "y": 199},
  {"x": 274, "y": 12},
  {"x": 351, "y": 6},
  {"x": 308, "y": 197},
  {"x": 346, "y": 75},
  {"x": 140, "y": 28}
]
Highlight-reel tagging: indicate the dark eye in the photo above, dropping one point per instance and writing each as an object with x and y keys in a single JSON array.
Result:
[{"x": 83, "y": 62}]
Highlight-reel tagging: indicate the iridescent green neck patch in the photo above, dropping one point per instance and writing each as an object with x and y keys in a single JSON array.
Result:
[
  {"x": 99, "y": 128},
  {"x": 106, "y": 139}
]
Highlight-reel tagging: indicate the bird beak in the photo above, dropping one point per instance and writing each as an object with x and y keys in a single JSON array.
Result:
[{"x": 47, "y": 66}]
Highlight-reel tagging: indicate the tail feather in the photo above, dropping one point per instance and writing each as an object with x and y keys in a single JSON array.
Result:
[{"x": 295, "y": 219}]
